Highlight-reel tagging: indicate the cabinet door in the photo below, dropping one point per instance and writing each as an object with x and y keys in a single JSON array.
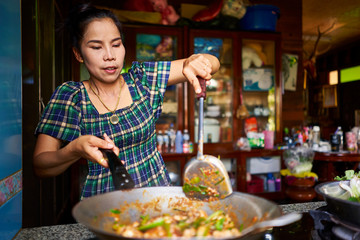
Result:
[
  {"x": 156, "y": 43},
  {"x": 261, "y": 92},
  {"x": 218, "y": 106}
]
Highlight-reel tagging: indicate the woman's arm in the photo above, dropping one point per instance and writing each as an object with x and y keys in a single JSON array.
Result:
[
  {"x": 189, "y": 69},
  {"x": 51, "y": 160}
]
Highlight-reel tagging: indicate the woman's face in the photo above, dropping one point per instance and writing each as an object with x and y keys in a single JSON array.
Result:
[{"x": 102, "y": 50}]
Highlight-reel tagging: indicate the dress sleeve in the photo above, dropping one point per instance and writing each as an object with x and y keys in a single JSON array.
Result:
[
  {"x": 61, "y": 117},
  {"x": 154, "y": 78}
]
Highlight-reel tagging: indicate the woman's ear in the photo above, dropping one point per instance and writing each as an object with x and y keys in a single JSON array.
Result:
[{"x": 77, "y": 54}]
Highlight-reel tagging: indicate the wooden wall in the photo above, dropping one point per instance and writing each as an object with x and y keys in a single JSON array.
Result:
[{"x": 348, "y": 93}]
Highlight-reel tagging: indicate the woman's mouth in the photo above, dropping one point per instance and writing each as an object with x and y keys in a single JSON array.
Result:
[{"x": 110, "y": 69}]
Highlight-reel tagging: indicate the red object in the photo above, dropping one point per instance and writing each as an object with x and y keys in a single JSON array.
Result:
[
  {"x": 209, "y": 13},
  {"x": 137, "y": 5},
  {"x": 255, "y": 185}
]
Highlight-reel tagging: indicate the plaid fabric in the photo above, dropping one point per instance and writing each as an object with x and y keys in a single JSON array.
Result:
[{"x": 70, "y": 114}]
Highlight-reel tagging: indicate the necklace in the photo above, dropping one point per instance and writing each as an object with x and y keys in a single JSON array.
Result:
[{"x": 114, "y": 119}]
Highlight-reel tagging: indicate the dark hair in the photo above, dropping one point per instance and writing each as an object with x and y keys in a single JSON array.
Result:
[{"x": 83, "y": 14}]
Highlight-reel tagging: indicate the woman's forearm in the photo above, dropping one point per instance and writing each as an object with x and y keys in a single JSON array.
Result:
[
  {"x": 176, "y": 73},
  {"x": 54, "y": 161},
  {"x": 51, "y": 160}
]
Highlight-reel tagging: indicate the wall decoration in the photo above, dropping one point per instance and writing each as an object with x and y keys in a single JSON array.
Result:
[
  {"x": 329, "y": 96},
  {"x": 289, "y": 71}
]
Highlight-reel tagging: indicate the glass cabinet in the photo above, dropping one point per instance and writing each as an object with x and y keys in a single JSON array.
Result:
[
  {"x": 261, "y": 90},
  {"x": 258, "y": 85},
  {"x": 218, "y": 105},
  {"x": 154, "y": 43}
]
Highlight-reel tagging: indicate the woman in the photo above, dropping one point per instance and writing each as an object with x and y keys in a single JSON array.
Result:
[{"x": 121, "y": 108}]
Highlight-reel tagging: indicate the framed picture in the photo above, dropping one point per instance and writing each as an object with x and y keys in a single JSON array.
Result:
[
  {"x": 329, "y": 96},
  {"x": 289, "y": 71}
]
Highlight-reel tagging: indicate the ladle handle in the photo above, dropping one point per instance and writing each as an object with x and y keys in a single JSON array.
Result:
[{"x": 201, "y": 96}]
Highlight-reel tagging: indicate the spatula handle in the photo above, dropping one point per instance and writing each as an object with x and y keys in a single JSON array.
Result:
[
  {"x": 201, "y": 97},
  {"x": 203, "y": 88}
]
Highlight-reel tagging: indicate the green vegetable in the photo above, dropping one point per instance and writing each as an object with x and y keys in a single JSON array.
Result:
[
  {"x": 214, "y": 215},
  {"x": 195, "y": 180},
  {"x": 241, "y": 227},
  {"x": 116, "y": 226},
  {"x": 217, "y": 183},
  {"x": 144, "y": 219},
  {"x": 198, "y": 222},
  {"x": 203, "y": 172},
  {"x": 349, "y": 174},
  {"x": 182, "y": 225},
  {"x": 167, "y": 229},
  {"x": 115, "y": 211},
  {"x": 157, "y": 223},
  {"x": 219, "y": 224}
]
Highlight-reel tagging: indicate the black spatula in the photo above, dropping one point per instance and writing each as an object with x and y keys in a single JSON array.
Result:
[{"x": 121, "y": 178}]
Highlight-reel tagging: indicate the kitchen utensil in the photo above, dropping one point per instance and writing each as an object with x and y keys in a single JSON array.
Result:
[
  {"x": 244, "y": 208},
  {"x": 120, "y": 176},
  {"x": 337, "y": 202},
  {"x": 242, "y": 111},
  {"x": 206, "y": 170}
]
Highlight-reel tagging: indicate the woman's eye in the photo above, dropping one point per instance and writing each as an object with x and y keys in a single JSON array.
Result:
[
  {"x": 96, "y": 48},
  {"x": 116, "y": 45}
]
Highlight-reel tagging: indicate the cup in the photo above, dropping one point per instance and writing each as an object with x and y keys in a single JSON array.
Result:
[{"x": 269, "y": 139}]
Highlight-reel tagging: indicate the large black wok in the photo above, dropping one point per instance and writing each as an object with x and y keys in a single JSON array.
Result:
[
  {"x": 338, "y": 204},
  {"x": 94, "y": 212}
]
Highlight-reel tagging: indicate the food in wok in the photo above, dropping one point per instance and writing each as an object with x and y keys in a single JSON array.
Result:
[
  {"x": 97, "y": 213},
  {"x": 351, "y": 184},
  {"x": 205, "y": 186},
  {"x": 190, "y": 223}
]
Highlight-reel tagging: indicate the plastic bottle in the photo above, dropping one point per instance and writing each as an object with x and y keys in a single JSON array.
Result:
[
  {"x": 340, "y": 132},
  {"x": 316, "y": 135},
  {"x": 178, "y": 142},
  {"x": 271, "y": 182},
  {"x": 166, "y": 140},
  {"x": 278, "y": 184},
  {"x": 160, "y": 141},
  {"x": 186, "y": 141},
  {"x": 172, "y": 137},
  {"x": 300, "y": 139}
]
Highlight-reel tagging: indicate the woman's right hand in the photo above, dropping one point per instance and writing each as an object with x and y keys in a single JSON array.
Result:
[{"x": 87, "y": 147}]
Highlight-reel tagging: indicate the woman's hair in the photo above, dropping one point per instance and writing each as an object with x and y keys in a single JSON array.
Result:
[{"x": 83, "y": 14}]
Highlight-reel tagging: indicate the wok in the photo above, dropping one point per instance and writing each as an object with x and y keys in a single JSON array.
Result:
[
  {"x": 94, "y": 212},
  {"x": 338, "y": 203}
]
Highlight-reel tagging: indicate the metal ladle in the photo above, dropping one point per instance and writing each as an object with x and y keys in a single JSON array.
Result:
[{"x": 205, "y": 172}]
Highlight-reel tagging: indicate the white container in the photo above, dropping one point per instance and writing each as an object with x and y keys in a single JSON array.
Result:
[
  {"x": 211, "y": 129},
  {"x": 261, "y": 165}
]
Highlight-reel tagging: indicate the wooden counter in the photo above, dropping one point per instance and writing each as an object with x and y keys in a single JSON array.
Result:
[{"x": 331, "y": 164}]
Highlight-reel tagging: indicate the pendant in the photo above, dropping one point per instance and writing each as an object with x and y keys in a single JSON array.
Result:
[{"x": 114, "y": 119}]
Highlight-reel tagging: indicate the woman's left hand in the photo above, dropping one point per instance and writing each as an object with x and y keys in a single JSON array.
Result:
[{"x": 197, "y": 66}]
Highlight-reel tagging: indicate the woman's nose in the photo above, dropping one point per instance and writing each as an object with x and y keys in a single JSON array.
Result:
[{"x": 109, "y": 55}]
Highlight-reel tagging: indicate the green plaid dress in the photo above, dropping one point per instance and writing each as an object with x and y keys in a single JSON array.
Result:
[{"x": 71, "y": 114}]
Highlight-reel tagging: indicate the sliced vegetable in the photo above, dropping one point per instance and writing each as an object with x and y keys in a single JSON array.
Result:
[
  {"x": 156, "y": 223},
  {"x": 214, "y": 215},
  {"x": 115, "y": 211},
  {"x": 144, "y": 219},
  {"x": 218, "y": 182},
  {"x": 219, "y": 224},
  {"x": 195, "y": 180}
]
